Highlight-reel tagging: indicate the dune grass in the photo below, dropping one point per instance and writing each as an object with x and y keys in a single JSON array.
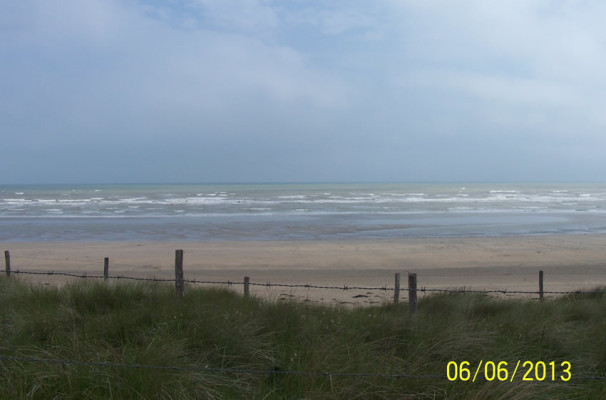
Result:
[{"x": 145, "y": 324}]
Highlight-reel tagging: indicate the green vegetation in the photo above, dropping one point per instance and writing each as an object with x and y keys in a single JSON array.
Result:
[{"x": 147, "y": 324}]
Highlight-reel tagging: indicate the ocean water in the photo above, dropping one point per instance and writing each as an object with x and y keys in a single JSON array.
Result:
[{"x": 296, "y": 211}]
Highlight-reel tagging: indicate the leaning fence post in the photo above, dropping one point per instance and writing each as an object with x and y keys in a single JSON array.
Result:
[
  {"x": 106, "y": 269},
  {"x": 396, "y": 290},
  {"x": 179, "y": 284},
  {"x": 246, "y": 286},
  {"x": 7, "y": 259},
  {"x": 412, "y": 292},
  {"x": 540, "y": 285}
]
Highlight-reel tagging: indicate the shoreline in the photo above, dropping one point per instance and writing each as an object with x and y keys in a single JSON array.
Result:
[{"x": 569, "y": 262}]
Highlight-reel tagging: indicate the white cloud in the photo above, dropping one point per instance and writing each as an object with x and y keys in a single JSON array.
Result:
[
  {"x": 121, "y": 59},
  {"x": 334, "y": 20},
  {"x": 532, "y": 63},
  {"x": 499, "y": 89},
  {"x": 66, "y": 23},
  {"x": 247, "y": 15},
  {"x": 284, "y": 79},
  {"x": 538, "y": 38}
]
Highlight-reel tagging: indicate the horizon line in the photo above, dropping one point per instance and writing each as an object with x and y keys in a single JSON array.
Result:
[{"x": 344, "y": 182}]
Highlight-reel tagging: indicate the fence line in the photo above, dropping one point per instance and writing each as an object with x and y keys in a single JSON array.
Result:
[
  {"x": 300, "y": 286},
  {"x": 179, "y": 281}
]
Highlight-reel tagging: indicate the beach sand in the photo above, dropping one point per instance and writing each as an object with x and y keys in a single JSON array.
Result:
[{"x": 497, "y": 263}]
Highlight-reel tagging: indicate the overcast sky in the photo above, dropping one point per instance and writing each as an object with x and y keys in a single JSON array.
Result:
[{"x": 109, "y": 91}]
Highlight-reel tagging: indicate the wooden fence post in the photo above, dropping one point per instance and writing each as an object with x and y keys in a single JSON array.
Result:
[
  {"x": 412, "y": 292},
  {"x": 396, "y": 290},
  {"x": 7, "y": 259},
  {"x": 246, "y": 286},
  {"x": 179, "y": 284},
  {"x": 106, "y": 269},
  {"x": 540, "y": 285}
]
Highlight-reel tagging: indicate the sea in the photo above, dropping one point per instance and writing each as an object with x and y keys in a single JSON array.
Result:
[{"x": 227, "y": 212}]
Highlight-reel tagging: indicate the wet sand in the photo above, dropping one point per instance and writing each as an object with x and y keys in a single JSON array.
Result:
[{"x": 497, "y": 263}]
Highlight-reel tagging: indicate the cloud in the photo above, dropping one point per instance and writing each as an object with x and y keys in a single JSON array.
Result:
[
  {"x": 534, "y": 39},
  {"x": 344, "y": 90},
  {"x": 526, "y": 64},
  {"x": 335, "y": 18},
  {"x": 245, "y": 15},
  {"x": 111, "y": 57}
]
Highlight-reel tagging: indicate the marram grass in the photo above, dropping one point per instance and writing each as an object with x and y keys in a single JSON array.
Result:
[{"x": 88, "y": 324}]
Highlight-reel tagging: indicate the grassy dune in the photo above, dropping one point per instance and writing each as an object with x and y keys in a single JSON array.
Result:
[{"x": 145, "y": 324}]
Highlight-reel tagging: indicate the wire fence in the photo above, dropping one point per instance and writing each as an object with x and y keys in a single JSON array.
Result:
[
  {"x": 268, "y": 284},
  {"x": 246, "y": 283}
]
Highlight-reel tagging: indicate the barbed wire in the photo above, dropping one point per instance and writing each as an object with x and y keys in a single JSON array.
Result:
[
  {"x": 269, "y": 285},
  {"x": 79, "y": 261},
  {"x": 87, "y": 276},
  {"x": 305, "y": 286}
]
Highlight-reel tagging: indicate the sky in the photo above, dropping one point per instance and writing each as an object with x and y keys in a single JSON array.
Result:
[{"x": 167, "y": 91}]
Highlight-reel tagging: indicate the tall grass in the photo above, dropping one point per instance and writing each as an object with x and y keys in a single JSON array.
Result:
[{"x": 146, "y": 324}]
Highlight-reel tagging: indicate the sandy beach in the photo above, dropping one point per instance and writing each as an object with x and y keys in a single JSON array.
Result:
[{"x": 488, "y": 263}]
